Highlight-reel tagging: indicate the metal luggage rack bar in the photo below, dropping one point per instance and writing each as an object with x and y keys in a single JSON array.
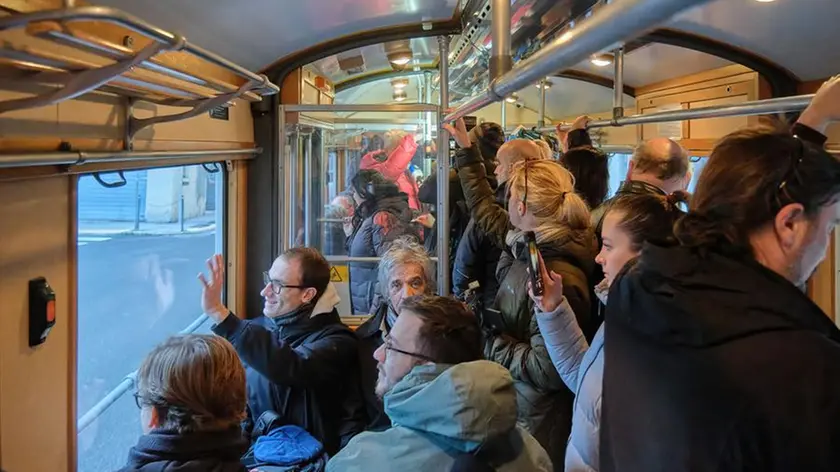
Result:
[{"x": 138, "y": 74}]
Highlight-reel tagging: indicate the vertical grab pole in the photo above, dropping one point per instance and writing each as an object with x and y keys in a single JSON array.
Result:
[
  {"x": 504, "y": 114},
  {"x": 443, "y": 173},
  {"x": 291, "y": 190},
  {"x": 283, "y": 214},
  {"x": 427, "y": 132},
  {"x": 308, "y": 217},
  {"x": 618, "y": 100},
  {"x": 543, "y": 88},
  {"x": 500, "y": 60}
]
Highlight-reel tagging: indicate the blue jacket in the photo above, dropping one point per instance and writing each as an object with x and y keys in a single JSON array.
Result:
[
  {"x": 581, "y": 367},
  {"x": 304, "y": 367},
  {"x": 439, "y": 412},
  {"x": 164, "y": 450}
]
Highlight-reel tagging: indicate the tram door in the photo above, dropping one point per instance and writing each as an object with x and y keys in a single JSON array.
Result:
[{"x": 325, "y": 150}]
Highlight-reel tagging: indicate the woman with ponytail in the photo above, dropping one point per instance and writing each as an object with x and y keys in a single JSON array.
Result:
[
  {"x": 714, "y": 357},
  {"x": 543, "y": 200},
  {"x": 630, "y": 222}
]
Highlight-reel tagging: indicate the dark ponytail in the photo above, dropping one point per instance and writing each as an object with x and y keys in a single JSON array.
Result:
[
  {"x": 750, "y": 176},
  {"x": 648, "y": 217}
]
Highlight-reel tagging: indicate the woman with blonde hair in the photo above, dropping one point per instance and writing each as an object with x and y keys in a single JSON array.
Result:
[
  {"x": 191, "y": 394},
  {"x": 542, "y": 200}
]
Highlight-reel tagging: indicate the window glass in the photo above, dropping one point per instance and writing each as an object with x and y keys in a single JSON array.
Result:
[
  {"x": 140, "y": 248},
  {"x": 697, "y": 165},
  {"x": 618, "y": 171}
]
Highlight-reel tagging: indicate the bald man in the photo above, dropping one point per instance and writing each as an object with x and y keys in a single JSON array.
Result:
[{"x": 659, "y": 166}]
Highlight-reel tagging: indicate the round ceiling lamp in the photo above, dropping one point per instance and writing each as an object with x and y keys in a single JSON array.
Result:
[
  {"x": 602, "y": 60},
  {"x": 400, "y": 95},
  {"x": 399, "y": 84}
]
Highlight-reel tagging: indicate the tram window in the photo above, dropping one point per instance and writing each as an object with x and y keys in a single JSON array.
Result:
[
  {"x": 697, "y": 164},
  {"x": 618, "y": 171},
  {"x": 140, "y": 247}
]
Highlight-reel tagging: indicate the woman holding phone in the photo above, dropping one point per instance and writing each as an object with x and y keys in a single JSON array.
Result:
[
  {"x": 543, "y": 202},
  {"x": 630, "y": 222}
]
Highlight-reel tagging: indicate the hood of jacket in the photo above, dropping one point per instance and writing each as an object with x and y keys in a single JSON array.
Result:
[
  {"x": 688, "y": 297},
  {"x": 168, "y": 451},
  {"x": 328, "y": 301},
  {"x": 464, "y": 405},
  {"x": 396, "y": 205},
  {"x": 558, "y": 242}
]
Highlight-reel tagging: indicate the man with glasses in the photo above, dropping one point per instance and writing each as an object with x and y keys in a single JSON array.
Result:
[
  {"x": 301, "y": 361},
  {"x": 451, "y": 409}
]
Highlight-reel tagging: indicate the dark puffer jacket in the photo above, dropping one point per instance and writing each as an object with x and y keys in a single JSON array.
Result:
[
  {"x": 717, "y": 363},
  {"x": 545, "y": 403},
  {"x": 391, "y": 219},
  {"x": 476, "y": 259},
  {"x": 167, "y": 451},
  {"x": 304, "y": 367}
]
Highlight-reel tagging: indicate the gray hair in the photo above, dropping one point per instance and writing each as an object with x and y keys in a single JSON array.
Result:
[{"x": 401, "y": 252}]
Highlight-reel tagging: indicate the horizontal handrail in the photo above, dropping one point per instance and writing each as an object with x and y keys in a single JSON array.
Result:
[
  {"x": 120, "y": 18},
  {"x": 96, "y": 411},
  {"x": 360, "y": 259},
  {"x": 85, "y": 157},
  {"x": 609, "y": 25},
  {"x": 756, "y": 107}
]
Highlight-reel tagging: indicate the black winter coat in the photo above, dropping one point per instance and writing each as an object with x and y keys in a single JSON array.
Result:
[
  {"x": 717, "y": 364},
  {"x": 390, "y": 220},
  {"x": 544, "y": 402},
  {"x": 167, "y": 451},
  {"x": 476, "y": 259},
  {"x": 303, "y": 368}
]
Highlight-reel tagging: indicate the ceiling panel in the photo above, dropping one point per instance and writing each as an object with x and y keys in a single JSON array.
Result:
[
  {"x": 799, "y": 35},
  {"x": 255, "y": 33},
  {"x": 657, "y": 62},
  {"x": 424, "y": 51}
]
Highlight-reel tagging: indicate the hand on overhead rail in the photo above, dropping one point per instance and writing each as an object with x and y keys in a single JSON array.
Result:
[
  {"x": 581, "y": 122},
  {"x": 211, "y": 294},
  {"x": 459, "y": 133},
  {"x": 825, "y": 107}
]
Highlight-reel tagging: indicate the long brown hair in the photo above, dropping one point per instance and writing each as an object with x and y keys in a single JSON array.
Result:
[
  {"x": 648, "y": 217},
  {"x": 750, "y": 176},
  {"x": 196, "y": 382}
]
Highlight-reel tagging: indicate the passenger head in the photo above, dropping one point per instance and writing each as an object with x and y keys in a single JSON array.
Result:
[
  {"x": 430, "y": 329},
  {"x": 191, "y": 383},
  {"x": 405, "y": 271},
  {"x": 591, "y": 171},
  {"x": 545, "y": 150},
  {"x": 489, "y": 137},
  {"x": 512, "y": 152},
  {"x": 298, "y": 277},
  {"x": 367, "y": 183},
  {"x": 632, "y": 220},
  {"x": 768, "y": 195},
  {"x": 661, "y": 162},
  {"x": 548, "y": 198}
]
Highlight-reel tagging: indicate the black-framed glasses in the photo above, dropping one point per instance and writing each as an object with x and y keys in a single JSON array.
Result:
[
  {"x": 424, "y": 357},
  {"x": 791, "y": 175},
  {"x": 138, "y": 400},
  {"x": 276, "y": 285}
]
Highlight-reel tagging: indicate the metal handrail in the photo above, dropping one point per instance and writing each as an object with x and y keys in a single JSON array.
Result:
[
  {"x": 120, "y": 18},
  {"x": 608, "y": 26},
  {"x": 74, "y": 158},
  {"x": 96, "y": 411}
]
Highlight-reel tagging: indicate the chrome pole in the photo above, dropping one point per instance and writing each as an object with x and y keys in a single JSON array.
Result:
[
  {"x": 618, "y": 99},
  {"x": 78, "y": 158},
  {"x": 282, "y": 210},
  {"x": 500, "y": 60},
  {"x": 757, "y": 107},
  {"x": 543, "y": 91},
  {"x": 610, "y": 24},
  {"x": 443, "y": 174},
  {"x": 307, "y": 193},
  {"x": 504, "y": 114}
]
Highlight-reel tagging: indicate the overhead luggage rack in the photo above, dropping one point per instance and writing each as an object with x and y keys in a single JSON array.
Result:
[{"x": 137, "y": 74}]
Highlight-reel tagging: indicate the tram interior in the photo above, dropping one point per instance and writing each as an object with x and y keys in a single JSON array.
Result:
[{"x": 117, "y": 203}]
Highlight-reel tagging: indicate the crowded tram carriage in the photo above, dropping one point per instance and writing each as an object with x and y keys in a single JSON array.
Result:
[{"x": 428, "y": 235}]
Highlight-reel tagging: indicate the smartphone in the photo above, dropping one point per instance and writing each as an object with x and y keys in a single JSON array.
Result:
[{"x": 534, "y": 271}]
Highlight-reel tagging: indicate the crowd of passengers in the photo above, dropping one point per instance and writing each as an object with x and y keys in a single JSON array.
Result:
[{"x": 664, "y": 339}]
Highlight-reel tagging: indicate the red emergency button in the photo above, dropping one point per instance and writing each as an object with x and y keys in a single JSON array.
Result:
[{"x": 50, "y": 311}]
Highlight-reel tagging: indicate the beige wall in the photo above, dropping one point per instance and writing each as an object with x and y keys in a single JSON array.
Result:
[{"x": 37, "y": 413}]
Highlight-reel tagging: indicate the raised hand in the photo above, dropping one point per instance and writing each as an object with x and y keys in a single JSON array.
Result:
[
  {"x": 825, "y": 107},
  {"x": 552, "y": 295},
  {"x": 459, "y": 133},
  {"x": 211, "y": 294}
]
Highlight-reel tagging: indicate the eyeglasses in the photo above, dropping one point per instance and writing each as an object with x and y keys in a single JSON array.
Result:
[
  {"x": 276, "y": 285},
  {"x": 791, "y": 175},
  {"x": 138, "y": 400},
  {"x": 424, "y": 357}
]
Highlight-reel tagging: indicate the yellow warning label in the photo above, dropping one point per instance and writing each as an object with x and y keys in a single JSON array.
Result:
[{"x": 339, "y": 274}]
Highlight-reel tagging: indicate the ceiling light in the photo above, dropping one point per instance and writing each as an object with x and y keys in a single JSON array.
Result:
[
  {"x": 512, "y": 98},
  {"x": 541, "y": 84},
  {"x": 602, "y": 60},
  {"x": 400, "y": 58},
  {"x": 399, "y": 83},
  {"x": 765, "y": 1},
  {"x": 400, "y": 95}
]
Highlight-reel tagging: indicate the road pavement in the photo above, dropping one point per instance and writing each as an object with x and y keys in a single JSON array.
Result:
[{"x": 134, "y": 291}]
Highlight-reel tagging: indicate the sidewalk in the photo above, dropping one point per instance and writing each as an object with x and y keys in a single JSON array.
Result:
[{"x": 201, "y": 224}]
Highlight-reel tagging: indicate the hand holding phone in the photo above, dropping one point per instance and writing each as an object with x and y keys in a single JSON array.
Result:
[
  {"x": 534, "y": 260},
  {"x": 551, "y": 295}
]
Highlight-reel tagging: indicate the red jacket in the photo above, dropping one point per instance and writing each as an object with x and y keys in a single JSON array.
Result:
[{"x": 394, "y": 168}]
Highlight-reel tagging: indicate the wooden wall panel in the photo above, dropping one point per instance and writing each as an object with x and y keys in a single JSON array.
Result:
[
  {"x": 37, "y": 240},
  {"x": 715, "y": 128}
]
